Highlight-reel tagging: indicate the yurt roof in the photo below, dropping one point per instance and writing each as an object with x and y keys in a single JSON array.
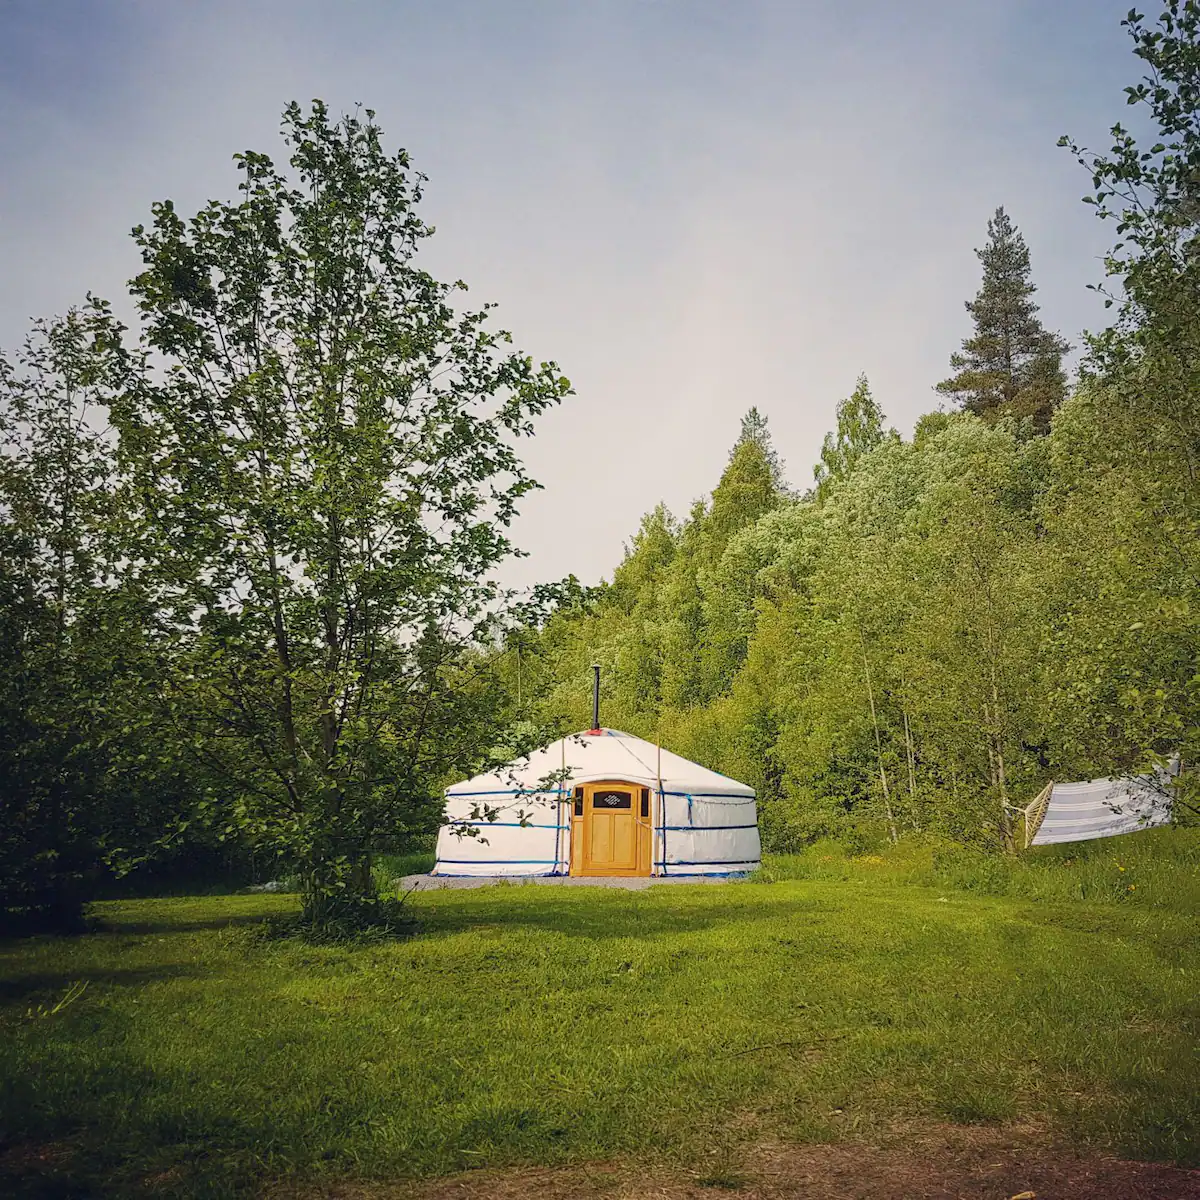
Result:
[{"x": 603, "y": 754}]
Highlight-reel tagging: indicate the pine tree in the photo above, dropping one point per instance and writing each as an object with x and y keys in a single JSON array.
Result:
[{"x": 1012, "y": 365}]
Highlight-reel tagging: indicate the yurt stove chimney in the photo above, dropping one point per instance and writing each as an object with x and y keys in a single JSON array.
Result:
[{"x": 596, "y": 698}]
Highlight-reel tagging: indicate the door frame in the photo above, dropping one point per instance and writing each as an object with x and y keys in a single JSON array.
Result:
[{"x": 643, "y": 827}]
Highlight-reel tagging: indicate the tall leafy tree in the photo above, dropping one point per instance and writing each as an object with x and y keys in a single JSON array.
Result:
[
  {"x": 1011, "y": 365},
  {"x": 1134, "y": 453},
  {"x": 88, "y": 783},
  {"x": 972, "y": 628},
  {"x": 324, "y": 453},
  {"x": 859, "y": 430}
]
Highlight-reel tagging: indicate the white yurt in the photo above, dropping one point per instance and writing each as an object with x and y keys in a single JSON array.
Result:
[{"x": 616, "y": 806}]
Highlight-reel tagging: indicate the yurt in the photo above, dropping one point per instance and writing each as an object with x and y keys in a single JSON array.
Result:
[{"x": 617, "y": 806}]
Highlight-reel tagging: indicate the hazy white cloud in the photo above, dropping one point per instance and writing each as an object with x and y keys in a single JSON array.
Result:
[{"x": 693, "y": 206}]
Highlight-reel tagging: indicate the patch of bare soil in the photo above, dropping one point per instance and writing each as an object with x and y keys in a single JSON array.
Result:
[
  {"x": 950, "y": 1163},
  {"x": 30, "y": 1156}
]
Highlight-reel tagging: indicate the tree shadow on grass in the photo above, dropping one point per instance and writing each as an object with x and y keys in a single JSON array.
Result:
[
  {"x": 77, "y": 1098},
  {"x": 53, "y": 984},
  {"x": 108, "y": 926},
  {"x": 168, "y": 924},
  {"x": 614, "y": 919}
]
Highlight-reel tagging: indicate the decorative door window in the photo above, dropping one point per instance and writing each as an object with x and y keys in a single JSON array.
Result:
[{"x": 610, "y": 800}]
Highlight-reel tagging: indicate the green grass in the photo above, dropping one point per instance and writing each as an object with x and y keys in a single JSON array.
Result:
[
  {"x": 396, "y": 866},
  {"x": 529, "y": 1024},
  {"x": 1158, "y": 868}
]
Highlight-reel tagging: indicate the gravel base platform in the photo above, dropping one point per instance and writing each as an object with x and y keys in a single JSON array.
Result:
[{"x": 424, "y": 883}]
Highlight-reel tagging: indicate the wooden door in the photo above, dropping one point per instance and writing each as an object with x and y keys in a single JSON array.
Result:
[{"x": 610, "y": 829}]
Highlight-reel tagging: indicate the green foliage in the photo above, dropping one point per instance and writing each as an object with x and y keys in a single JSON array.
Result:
[
  {"x": 859, "y": 430},
  {"x": 754, "y": 429},
  {"x": 946, "y": 624},
  {"x": 1011, "y": 366},
  {"x": 390, "y": 868},
  {"x": 90, "y": 784},
  {"x": 1129, "y": 449},
  {"x": 871, "y": 656},
  {"x": 671, "y": 629},
  {"x": 1150, "y": 190},
  {"x": 247, "y": 592},
  {"x": 323, "y": 453}
]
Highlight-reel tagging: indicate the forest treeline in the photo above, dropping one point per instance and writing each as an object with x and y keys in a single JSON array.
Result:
[
  {"x": 921, "y": 642},
  {"x": 248, "y": 549},
  {"x": 940, "y": 625}
]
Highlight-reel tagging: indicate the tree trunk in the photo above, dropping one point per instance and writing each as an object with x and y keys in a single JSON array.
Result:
[
  {"x": 362, "y": 882},
  {"x": 883, "y": 779},
  {"x": 1006, "y": 821},
  {"x": 912, "y": 771},
  {"x": 1001, "y": 778}
]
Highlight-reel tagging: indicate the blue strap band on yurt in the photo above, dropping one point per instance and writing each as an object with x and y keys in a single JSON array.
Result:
[
  {"x": 662, "y": 808},
  {"x": 557, "y": 828},
  {"x": 708, "y": 828},
  {"x": 561, "y": 843}
]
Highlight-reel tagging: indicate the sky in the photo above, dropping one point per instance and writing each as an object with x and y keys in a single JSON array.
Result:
[{"x": 692, "y": 206}]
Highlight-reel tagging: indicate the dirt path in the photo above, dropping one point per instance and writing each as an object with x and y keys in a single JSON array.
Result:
[
  {"x": 950, "y": 1164},
  {"x": 426, "y": 883}
]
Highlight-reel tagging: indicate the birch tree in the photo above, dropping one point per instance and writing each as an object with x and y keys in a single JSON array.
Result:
[{"x": 324, "y": 453}]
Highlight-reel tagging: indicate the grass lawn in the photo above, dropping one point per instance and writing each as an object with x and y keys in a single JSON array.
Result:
[{"x": 178, "y": 1053}]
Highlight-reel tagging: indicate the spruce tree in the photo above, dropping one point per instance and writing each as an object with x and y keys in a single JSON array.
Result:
[
  {"x": 1012, "y": 365},
  {"x": 754, "y": 429},
  {"x": 749, "y": 486}
]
